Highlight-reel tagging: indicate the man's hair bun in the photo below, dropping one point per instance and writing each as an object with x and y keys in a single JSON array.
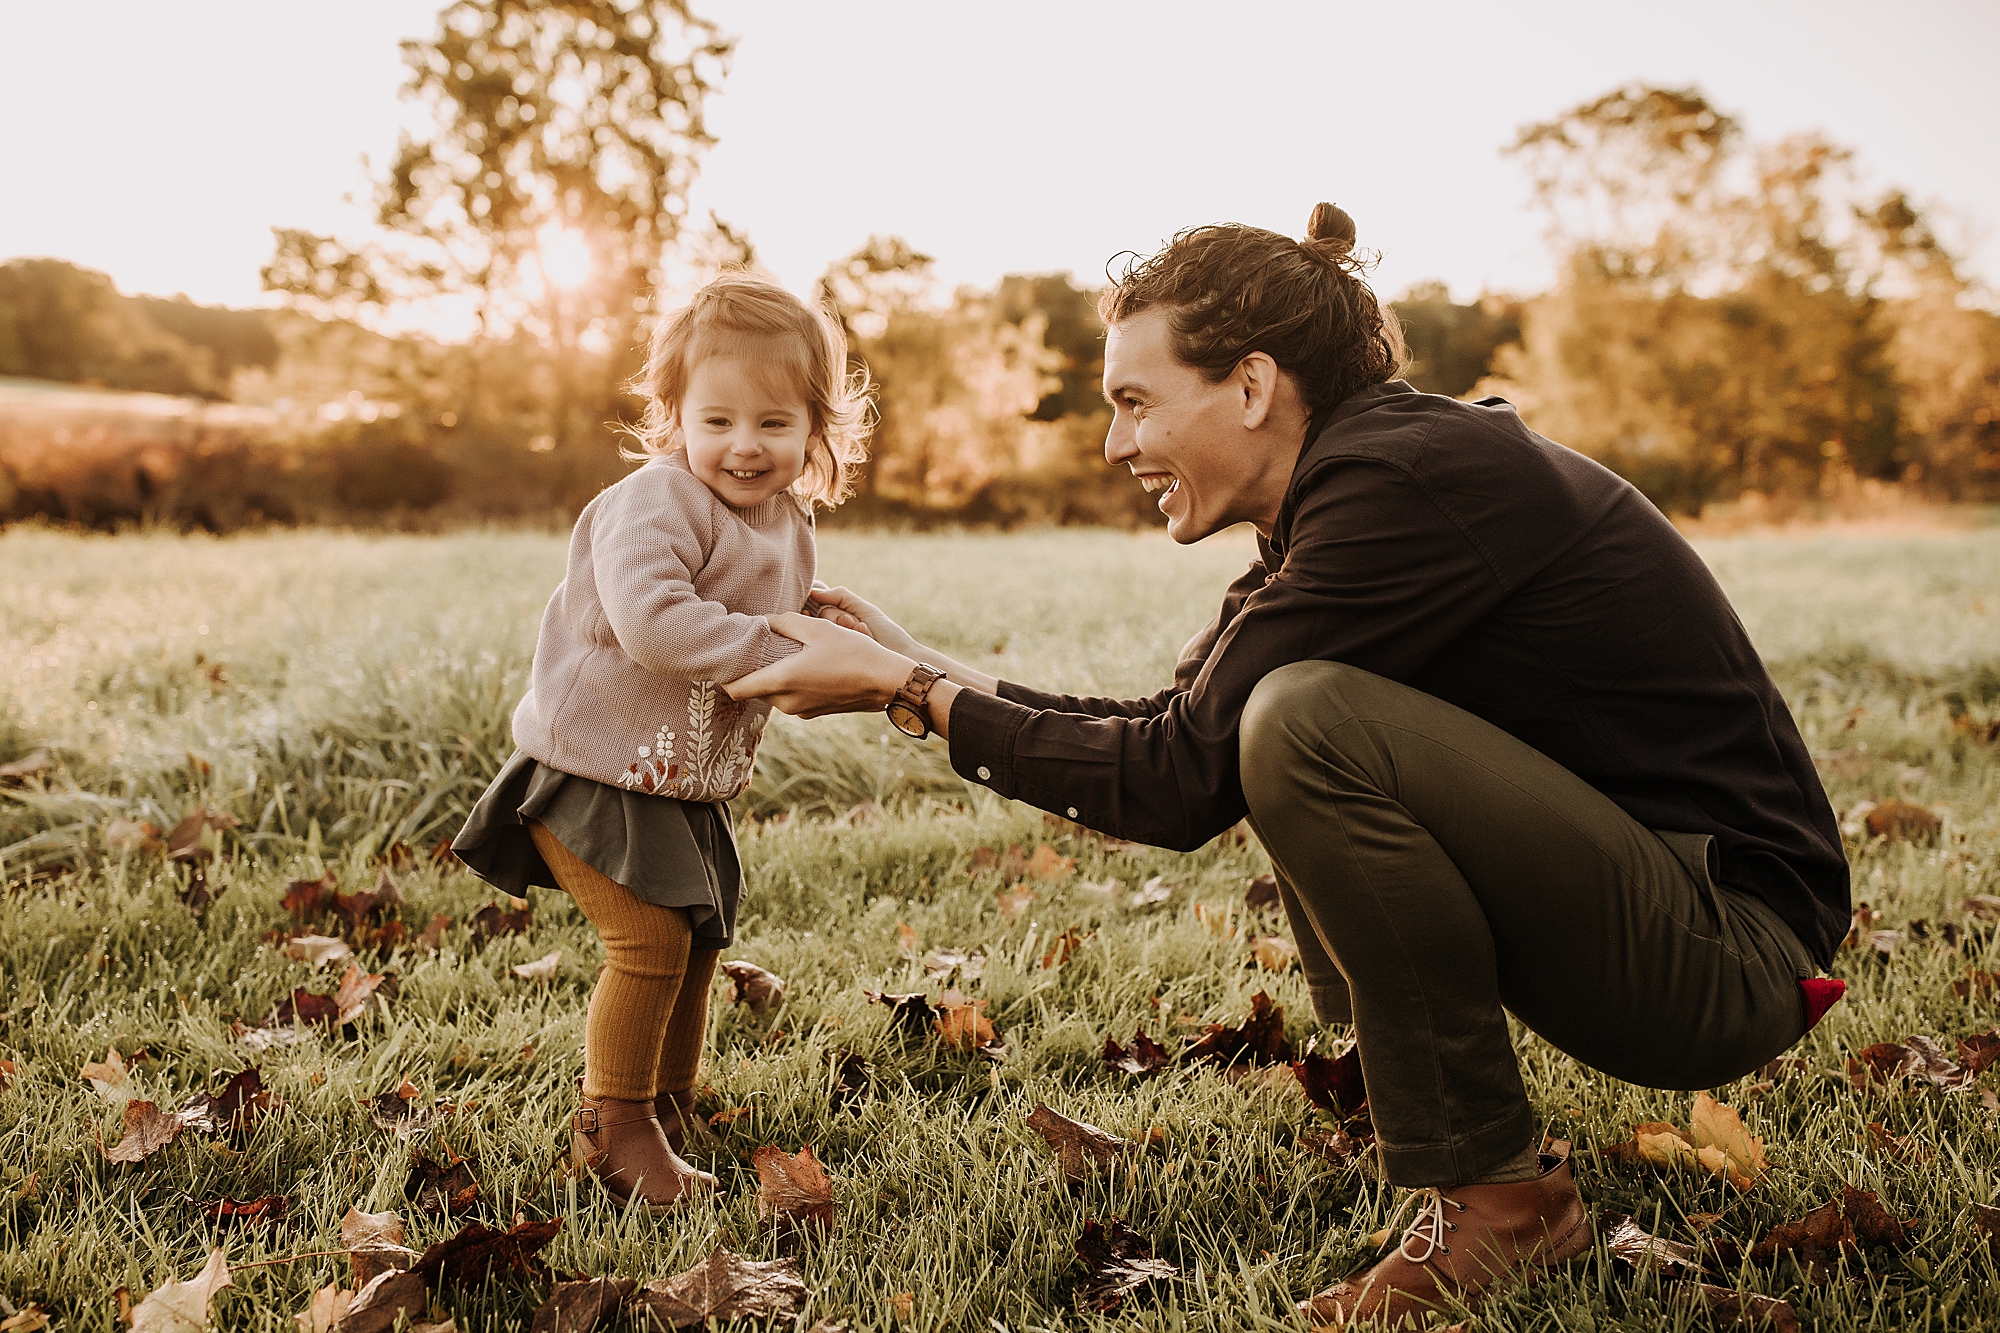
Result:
[{"x": 1330, "y": 222}]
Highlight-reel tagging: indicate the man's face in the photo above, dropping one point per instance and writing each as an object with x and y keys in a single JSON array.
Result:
[{"x": 1182, "y": 436}]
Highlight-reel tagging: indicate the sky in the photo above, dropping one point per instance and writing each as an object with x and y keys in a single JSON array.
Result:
[{"x": 161, "y": 143}]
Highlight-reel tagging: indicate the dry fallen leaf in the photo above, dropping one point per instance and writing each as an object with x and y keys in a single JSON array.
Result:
[
  {"x": 903, "y": 1306},
  {"x": 184, "y": 839},
  {"x": 1633, "y": 1244},
  {"x": 1732, "y": 1309},
  {"x": 752, "y": 985},
  {"x": 1080, "y": 1148},
  {"x": 357, "y": 988},
  {"x": 849, "y": 1073},
  {"x": 433, "y": 934},
  {"x": 308, "y": 899},
  {"x": 906, "y": 939},
  {"x": 384, "y": 898},
  {"x": 1984, "y": 906},
  {"x": 182, "y": 1307},
  {"x": 578, "y": 1307},
  {"x": 1901, "y": 821},
  {"x": 1337, "y": 1146},
  {"x": 388, "y": 1297},
  {"x": 939, "y": 964},
  {"x": 1918, "y": 1059},
  {"x": 1261, "y": 894},
  {"x": 1063, "y": 947},
  {"x": 961, "y": 1027},
  {"x": 442, "y": 1187},
  {"x": 1274, "y": 953},
  {"x": 479, "y": 1254},
  {"x": 724, "y": 1286},
  {"x": 147, "y": 1130},
  {"x": 1118, "y": 1263},
  {"x": 329, "y": 1303},
  {"x": 1259, "y": 1039},
  {"x": 542, "y": 969},
  {"x": 1050, "y": 865},
  {"x": 911, "y": 1011},
  {"x": 108, "y": 1077},
  {"x": 1978, "y": 1051},
  {"x": 27, "y": 766},
  {"x": 130, "y": 835},
  {"x": 793, "y": 1191},
  {"x": 1014, "y": 901},
  {"x": 1723, "y": 1145},
  {"x": 1333, "y": 1083},
  {"x": 493, "y": 920},
  {"x": 30, "y": 1318},
  {"x": 1145, "y": 1056},
  {"x": 317, "y": 951},
  {"x": 1154, "y": 891}
]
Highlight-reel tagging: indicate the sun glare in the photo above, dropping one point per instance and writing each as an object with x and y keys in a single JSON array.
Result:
[{"x": 565, "y": 256}]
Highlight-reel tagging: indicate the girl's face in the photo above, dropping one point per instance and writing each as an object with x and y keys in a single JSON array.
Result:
[{"x": 744, "y": 440}]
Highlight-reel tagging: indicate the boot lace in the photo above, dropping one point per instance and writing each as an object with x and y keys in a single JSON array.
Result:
[{"x": 1428, "y": 1226}]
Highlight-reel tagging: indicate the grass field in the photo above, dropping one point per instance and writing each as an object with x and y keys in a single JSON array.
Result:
[{"x": 342, "y": 694}]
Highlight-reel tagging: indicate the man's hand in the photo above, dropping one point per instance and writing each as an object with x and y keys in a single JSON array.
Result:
[{"x": 838, "y": 671}]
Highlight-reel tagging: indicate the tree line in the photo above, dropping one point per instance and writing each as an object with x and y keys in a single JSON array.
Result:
[{"x": 1730, "y": 317}]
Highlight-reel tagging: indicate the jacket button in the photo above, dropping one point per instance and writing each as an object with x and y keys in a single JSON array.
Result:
[
  {"x": 1072, "y": 812},
  {"x": 985, "y": 773}
]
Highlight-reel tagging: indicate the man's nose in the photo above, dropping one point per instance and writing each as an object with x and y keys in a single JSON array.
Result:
[{"x": 1120, "y": 442}]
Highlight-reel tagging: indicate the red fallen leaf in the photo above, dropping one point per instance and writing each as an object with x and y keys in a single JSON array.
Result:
[
  {"x": 752, "y": 985},
  {"x": 308, "y": 899},
  {"x": 1260, "y": 1038},
  {"x": 850, "y": 1078},
  {"x": 1118, "y": 1262},
  {"x": 1976, "y": 983},
  {"x": 1261, "y": 894},
  {"x": 1734, "y": 1309},
  {"x": 1333, "y": 1084},
  {"x": 792, "y": 1190},
  {"x": 1901, "y": 821},
  {"x": 478, "y": 1253},
  {"x": 912, "y": 1012},
  {"x": 232, "y": 1212},
  {"x": 1145, "y": 1057},
  {"x": 723, "y": 1286},
  {"x": 1871, "y": 1221},
  {"x": 1820, "y": 1237},
  {"x": 147, "y": 1130},
  {"x": 386, "y": 896},
  {"x": 242, "y": 1102},
  {"x": 442, "y": 1187},
  {"x": 961, "y": 1027},
  {"x": 1080, "y": 1148},
  {"x": 1976, "y": 1052},
  {"x": 1633, "y": 1244},
  {"x": 1919, "y": 1059},
  {"x": 302, "y": 1006},
  {"x": 578, "y": 1307},
  {"x": 492, "y": 921},
  {"x": 396, "y": 1111}
]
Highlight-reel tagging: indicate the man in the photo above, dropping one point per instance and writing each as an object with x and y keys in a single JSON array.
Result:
[{"x": 1507, "y": 745}]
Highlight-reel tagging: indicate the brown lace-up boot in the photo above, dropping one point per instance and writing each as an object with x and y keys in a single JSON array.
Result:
[
  {"x": 622, "y": 1144},
  {"x": 1463, "y": 1242}
]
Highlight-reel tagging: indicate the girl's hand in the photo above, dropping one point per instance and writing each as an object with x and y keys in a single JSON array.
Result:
[
  {"x": 839, "y": 670},
  {"x": 870, "y": 619},
  {"x": 838, "y": 616}
]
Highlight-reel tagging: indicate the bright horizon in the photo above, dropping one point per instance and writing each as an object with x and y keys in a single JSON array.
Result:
[{"x": 167, "y": 153}]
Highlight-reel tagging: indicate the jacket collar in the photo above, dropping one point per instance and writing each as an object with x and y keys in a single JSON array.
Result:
[{"x": 1318, "y": 437}]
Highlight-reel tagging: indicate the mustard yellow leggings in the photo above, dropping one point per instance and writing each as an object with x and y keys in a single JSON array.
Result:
[{"x": 649, "y": 1013}]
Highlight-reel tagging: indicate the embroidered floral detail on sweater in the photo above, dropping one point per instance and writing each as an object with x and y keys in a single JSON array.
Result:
[{"x": 717, "y": 771}]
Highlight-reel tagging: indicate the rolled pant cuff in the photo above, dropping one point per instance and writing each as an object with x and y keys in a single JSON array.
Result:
[{"x": 1463, "y": 1160}]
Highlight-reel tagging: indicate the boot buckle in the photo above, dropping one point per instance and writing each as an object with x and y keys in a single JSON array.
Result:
[{"x": 577, "y": 1123}]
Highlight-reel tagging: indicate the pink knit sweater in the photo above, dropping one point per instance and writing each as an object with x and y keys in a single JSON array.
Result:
[{"x": 666, "y": 597}]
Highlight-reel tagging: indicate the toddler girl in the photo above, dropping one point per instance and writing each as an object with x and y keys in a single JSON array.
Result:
[{"x": 628, "y": 748}]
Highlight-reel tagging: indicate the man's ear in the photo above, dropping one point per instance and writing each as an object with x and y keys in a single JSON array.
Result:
[{"x": 1257, "y": 383}]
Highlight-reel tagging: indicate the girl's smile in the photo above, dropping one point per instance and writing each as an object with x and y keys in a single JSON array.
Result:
[{"x": 746, "y": 440}]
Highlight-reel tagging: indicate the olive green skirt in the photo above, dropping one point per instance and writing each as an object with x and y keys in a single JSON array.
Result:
[{"x": 668, "y": 852}]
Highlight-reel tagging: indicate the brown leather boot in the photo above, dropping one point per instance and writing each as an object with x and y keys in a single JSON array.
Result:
[
  {"x": 622, "y": 1144},
  {"x": 668, "y": 1112},
  {"x": 1463, "y": 1242}
]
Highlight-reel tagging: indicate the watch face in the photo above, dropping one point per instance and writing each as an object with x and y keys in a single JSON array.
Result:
[{"x": 905, "y": 719}]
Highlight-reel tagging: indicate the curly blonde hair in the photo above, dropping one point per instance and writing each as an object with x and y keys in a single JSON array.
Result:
[{"x": 801, "y": 347}]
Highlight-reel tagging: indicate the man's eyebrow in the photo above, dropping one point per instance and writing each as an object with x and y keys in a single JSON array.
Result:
[{"x": 1117, "y": 391}]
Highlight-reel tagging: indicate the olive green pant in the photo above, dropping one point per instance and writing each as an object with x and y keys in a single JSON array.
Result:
[{"x": 1440, "y": 874}]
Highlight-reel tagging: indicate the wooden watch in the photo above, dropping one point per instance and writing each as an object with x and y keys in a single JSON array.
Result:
[{"x": 906, "y": 710}]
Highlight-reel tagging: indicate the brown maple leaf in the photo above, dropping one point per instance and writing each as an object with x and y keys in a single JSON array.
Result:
[
  {"x": 1900, "y": 821},
  {"x": 849, "y": 1072},
  {"x": 1918, "y": 1059},
  {"x": 492, "y": 921},
  {"x": 1274, "y": 953},
  {"x": 225, "y": 1211},
  {"x": 1730, "y": 1308},
  {"x": 148, "y": 1129},
  {"x": 1080, "y": 1148},
  {"x": 961, "y": 1027},
  {"x": 1979, "y": 1050},
  {"x": 384, "y": 899},
  {"x": 1818, "y": 1238},
  {"x": 724, "y": 1286},
  {"x": 911, "y": 1013},
  {"x": 1145, "y": 1056},
  {"x": 388, "y": 1297},
  {"x": 242, "y": 1102},
  {"x": 433, "y": 934},
  {"x": 374, "y": 1245},
  {"x": 308, "y": 899},
  {"x": 1259, "y": 1039},
  {"x": 479, "y": 1253},
  {"x": 184, "y": 839},
  {"x": 1063, "y": 947},
  {"x": 1261, "y": 894},
  {"x": 442, "y": 1187},
  {"x": 793, "y": 1190},
  {"x": 1333, "y": 1084},
  {"x": 578, "y": 1307},
  {"x": 396, "y": 1111},
  {"x": 1872, "y": 1222},
  {"x": 752, "y": 985},
  {"x": 1118, "y": 1263}
]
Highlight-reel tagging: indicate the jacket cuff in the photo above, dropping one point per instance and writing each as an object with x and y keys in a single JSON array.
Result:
[{"x": 983, "y": 728}]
